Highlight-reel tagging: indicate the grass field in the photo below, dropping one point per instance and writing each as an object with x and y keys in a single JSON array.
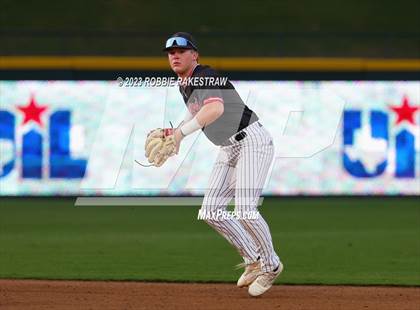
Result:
[{"x": 321, "y": 241}]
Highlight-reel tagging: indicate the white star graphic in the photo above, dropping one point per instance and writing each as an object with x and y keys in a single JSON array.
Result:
[{"x": 369, "y": 150}]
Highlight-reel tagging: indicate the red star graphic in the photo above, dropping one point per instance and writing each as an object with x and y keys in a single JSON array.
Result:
[
  {"x": 405, "y": 112},
  {"x": 32, "y": 112}
]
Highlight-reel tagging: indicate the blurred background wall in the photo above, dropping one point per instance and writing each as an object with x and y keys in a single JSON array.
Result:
[
  {"x": 327, "y": 28},
  {"x": 59, "y": 62}
]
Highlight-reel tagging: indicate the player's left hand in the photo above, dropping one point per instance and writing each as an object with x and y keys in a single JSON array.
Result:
[{"x": 160, "y": 145}]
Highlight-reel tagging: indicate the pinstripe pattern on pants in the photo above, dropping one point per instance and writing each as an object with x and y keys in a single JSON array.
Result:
[{"x": 240, "y": 172}]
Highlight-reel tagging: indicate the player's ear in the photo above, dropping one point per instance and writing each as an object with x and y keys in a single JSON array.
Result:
[{"x": 195, "y": 55}]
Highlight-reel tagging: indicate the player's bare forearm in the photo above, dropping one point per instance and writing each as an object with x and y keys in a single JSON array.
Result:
[{"x": 209, "y": 113}]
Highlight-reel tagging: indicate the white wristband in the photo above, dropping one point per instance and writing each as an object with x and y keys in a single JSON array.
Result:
[{"x": 189, "y": 127}]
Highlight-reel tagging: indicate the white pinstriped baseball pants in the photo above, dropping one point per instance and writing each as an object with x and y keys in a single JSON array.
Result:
[{"x": 240, "y": 171}]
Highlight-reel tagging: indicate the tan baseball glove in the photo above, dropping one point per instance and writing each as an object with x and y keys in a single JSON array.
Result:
[{"x": 160, "y": 145}]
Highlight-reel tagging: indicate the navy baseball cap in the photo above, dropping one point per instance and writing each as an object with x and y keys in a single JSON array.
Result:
[{"x": 180, "y": 40}]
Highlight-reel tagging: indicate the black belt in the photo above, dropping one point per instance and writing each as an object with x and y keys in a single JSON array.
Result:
[{"x": 240, "y": 135}]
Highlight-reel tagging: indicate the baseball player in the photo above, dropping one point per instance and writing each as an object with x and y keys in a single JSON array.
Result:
[{"x": 240, "y": 171}]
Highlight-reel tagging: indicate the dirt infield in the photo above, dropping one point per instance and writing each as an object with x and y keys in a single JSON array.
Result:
[{"x": 32, "y": 294}]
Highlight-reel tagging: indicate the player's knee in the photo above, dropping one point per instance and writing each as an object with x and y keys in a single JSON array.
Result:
[
  {"x": 245, "y": 207},
  {"x": 213, "y": 205},
  {"x": 246, "y": 212},
  {"x": 211, "y": 215},
  {"x": 212, "y": 202}
]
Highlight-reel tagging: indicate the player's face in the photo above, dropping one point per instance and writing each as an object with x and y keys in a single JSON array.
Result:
[{"x": 182, "y": 60}]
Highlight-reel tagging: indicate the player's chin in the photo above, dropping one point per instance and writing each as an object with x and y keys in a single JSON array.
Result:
[{"x": 177, "y": 69}]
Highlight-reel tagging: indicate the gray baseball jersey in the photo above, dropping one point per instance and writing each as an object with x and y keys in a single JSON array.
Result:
[{"x": 236, "y": 114}]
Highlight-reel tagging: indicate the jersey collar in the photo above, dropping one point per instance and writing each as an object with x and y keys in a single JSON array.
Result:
[
  {"x": 190, "y": 74},
  {"x": 192, "y": 71}
]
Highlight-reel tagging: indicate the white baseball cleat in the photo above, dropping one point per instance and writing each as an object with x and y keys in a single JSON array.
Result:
[
  {"x": 250, "y": 274},
  {"x": 264, "y": 281}
]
